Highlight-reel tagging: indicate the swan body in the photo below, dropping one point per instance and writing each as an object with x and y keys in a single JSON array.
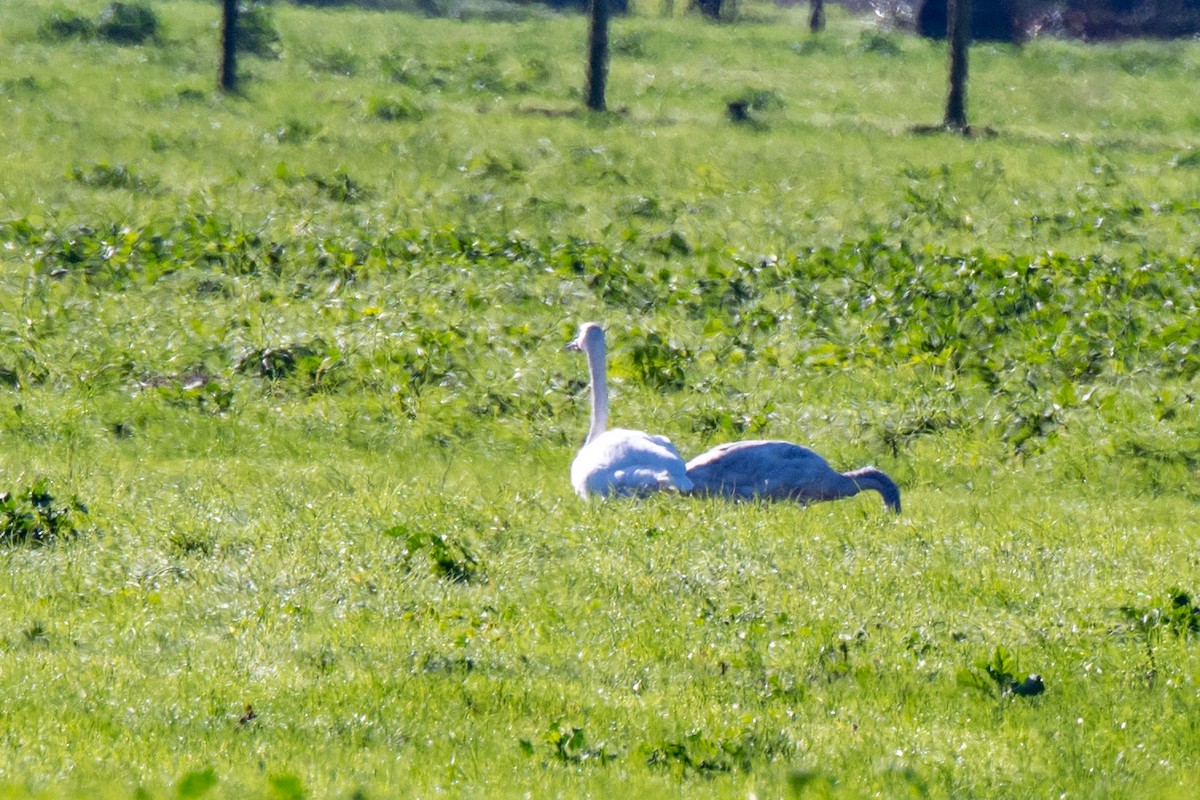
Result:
[
  {"x": 619, "y": 461},
  {"x": 776, "y": 470}
]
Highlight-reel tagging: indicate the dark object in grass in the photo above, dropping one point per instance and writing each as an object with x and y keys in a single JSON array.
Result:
[
  {"x": 128, "y": 23},
  {"x": 33, "y": 517},
  {"x": 1030, "y": 687},
  {"x": 64, "y": 25}
]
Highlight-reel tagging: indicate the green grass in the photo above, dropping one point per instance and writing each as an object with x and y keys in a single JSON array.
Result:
[{"x": 298, "y": 353}]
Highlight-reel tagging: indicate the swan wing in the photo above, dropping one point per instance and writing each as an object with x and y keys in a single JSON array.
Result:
[
  {"x": 778, "y": 470},
  {"x": 622, "y": 461},
  {"x": 760, "y": 468},
  {"x": 663, "y": 442}
]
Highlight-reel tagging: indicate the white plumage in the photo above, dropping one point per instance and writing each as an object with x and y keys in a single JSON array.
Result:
[
  {"x": 619, "y": 461},
  {"x": 778, "y": 470}
]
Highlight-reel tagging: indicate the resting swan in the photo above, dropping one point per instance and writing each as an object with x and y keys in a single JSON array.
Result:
[
  {"x": 619, "y": 461},
  {"x": 777, "y": 470}
]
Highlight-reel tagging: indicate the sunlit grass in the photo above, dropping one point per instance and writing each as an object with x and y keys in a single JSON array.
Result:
[{"x": 298, "y": 353}]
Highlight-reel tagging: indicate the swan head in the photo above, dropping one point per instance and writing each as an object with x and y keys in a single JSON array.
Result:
[{"x": 590, "y": 335}]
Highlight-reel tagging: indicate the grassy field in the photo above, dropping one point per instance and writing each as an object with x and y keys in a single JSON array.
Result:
[{"x": 285, "y": 420}]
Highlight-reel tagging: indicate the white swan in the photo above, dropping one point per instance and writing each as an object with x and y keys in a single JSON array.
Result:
[
  {"x": 777, "y": 470},
  {"x": 619, "y": 461}
]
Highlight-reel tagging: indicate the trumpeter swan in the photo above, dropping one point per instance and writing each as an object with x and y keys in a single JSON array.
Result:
[
  {"x": 619, "y": 461},
  {"x": 782, "y": 471}
]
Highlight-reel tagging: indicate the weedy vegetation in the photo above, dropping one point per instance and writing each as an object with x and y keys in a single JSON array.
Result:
[{"x": 285, "y": 422}]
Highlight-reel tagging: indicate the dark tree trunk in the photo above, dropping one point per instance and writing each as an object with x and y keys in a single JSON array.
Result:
[
  {"x": 816, "y": 22},
  {"x": 228, "y": 81},
  {"x": 597, "y": 74},
  {"x": 959, "y": 34}
]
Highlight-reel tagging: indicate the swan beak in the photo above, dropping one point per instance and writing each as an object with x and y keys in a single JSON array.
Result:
[{"x": 574, "y": 346}]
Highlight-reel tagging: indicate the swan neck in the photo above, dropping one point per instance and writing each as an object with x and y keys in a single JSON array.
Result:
[
  {"x": 876, "y": 480},
  {"x": 599, "y": 378}
]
